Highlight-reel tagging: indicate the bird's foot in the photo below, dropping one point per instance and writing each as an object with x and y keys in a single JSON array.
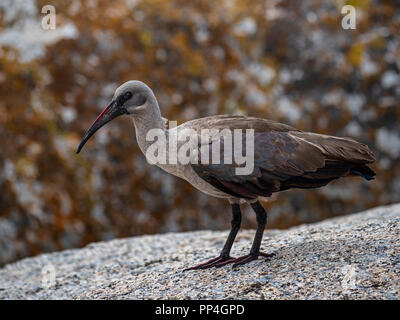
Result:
[
  {"x": 222, "y": 261},
  {"x": 216, "y": 262},
  {"x": 250, "y": 257}
]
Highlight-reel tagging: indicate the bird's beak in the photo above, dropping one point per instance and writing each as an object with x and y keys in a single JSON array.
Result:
[{"x": 109, "y": 113}]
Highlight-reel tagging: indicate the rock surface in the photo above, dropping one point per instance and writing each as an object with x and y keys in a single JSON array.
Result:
[{"x": 355, "y": 257}]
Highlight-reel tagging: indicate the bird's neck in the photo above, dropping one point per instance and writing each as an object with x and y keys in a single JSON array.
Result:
[{"x": 146, "y": 120}]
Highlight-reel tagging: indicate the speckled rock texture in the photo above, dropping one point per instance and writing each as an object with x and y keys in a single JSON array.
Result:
[{"x": 352, "y": 257}]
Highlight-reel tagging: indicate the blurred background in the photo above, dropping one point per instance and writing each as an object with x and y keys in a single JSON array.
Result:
[{"x": 285, "y": 60}]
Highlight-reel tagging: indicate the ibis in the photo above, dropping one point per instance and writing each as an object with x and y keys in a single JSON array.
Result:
[{"x": 283, "y": 158}]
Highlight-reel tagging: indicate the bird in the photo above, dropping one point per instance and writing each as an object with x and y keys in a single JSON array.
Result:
[{"x": 284, "y": 158}]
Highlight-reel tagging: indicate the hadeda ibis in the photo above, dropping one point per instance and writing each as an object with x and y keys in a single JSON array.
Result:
[{"x": 284, "y": 158}]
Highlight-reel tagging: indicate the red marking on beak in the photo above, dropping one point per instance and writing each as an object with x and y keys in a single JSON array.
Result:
[
  {"x": 109, "y": 113},
  {"x": 103, "y": 112}
]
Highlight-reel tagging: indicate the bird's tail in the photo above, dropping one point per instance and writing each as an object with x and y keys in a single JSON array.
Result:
[
  {"x": 343, "y": 154},
  {"x": 364, "y": 171}
]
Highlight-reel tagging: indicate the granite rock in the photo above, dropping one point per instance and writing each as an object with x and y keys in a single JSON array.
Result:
[{"x": 351, "y": 257}]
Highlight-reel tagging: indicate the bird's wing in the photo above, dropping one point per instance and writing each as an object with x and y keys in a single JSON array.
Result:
[
  {"x": 336, "y": 148},
  {"x": 228, "y": 121},
  {"x": 281, "y": 154}
]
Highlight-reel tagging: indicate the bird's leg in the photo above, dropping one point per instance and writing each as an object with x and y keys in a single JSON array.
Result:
[
  {"x": 225, "y": 257},
  {"x": 261, "y": 215}
]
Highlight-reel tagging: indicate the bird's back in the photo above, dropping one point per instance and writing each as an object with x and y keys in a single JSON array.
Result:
[{"x": 232, "y": 122}]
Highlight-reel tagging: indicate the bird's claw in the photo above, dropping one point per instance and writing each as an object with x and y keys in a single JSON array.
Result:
[
  {"x": 250, "y": 257},
  {"x": 216, "y": 262},
  {"x": 222, "y": 261}
]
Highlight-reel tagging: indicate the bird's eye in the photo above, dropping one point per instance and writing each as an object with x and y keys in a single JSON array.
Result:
[
  {"x": 124, "y": 97},
  {"x": 127, "y": 95}
]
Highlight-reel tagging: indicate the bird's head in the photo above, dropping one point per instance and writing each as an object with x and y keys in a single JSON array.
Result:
[{"x": 130, "y": 98}]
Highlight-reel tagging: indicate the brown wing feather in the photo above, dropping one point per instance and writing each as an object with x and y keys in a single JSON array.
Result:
[
  {"x": 343, "y": 149},
  {"x": 284, "y": 158},
  {"x": 231, "y": 122}
]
